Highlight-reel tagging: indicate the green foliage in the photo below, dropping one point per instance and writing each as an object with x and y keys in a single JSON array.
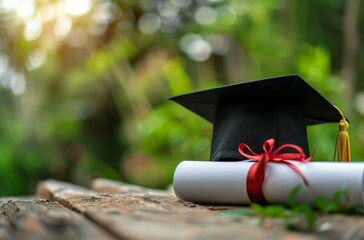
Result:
[
  {"x": 298, "y": 216},
  {"x": 85, "y": 94},
  {"x": 238, "y": 213},
  {"x": 292, "y": 217}
]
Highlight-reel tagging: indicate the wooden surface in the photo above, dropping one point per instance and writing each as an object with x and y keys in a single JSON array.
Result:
[
  {"x": 114, "y": 210},
  {"x": 42, "y": 219}
]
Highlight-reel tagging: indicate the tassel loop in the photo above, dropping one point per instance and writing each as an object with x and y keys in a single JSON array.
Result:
[
  {"x": 343, "y": 125},
  {"x": 342, "y": 148}
]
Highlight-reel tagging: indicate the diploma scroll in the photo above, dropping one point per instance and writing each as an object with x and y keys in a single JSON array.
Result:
[{"x": 225, "y": 182}]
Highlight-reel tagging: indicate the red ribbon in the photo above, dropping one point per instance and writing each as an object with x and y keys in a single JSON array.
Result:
[{"x": 256, "y": 172}]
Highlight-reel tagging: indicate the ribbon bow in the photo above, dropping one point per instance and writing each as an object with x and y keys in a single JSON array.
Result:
[{"x": 256, "y": 173}]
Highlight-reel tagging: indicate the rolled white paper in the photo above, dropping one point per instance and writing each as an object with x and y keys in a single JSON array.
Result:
[{"x": 225, "y": 182}]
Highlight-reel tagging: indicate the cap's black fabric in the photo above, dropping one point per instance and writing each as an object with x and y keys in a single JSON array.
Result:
[
  {"x": 252, "y": 112},
  {"x": 253, "y": 123}
]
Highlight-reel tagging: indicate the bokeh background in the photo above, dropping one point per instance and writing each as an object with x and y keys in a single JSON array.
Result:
[{"x": 84, "y": 84}]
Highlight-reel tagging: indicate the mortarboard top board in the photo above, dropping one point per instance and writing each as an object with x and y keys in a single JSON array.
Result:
[{"x": 252, "y": 112}]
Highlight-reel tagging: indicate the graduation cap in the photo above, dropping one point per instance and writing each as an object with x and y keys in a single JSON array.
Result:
[{"x": 252, "y": 112}]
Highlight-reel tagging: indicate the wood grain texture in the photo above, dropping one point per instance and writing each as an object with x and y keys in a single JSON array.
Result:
[
  {"x": 109, "y": 186},
  {"x": 159, "y": 215},
  {"x": 329, "y": 226},
  {"x": 43, "y": 219}
]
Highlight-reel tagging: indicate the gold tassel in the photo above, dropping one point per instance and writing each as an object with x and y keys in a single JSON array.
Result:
[{"x": 342, "y": 148}]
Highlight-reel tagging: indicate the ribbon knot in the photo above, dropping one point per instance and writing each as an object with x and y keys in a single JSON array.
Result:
[{"x": 256, "y": 172}]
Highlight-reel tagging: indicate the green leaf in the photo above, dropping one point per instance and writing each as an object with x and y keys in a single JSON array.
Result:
[
  {"x": 278, "y": 211},
  {"x": 322, "y": 205},
  {"x": 307, "y": 212},
  {"x": 238, "y": 212},
  {"x": 257, "y": 208},
  {"x": 293, "y": 194},
  {"x": 340, "y": 194},
  {"x": 275, "y": 211}
]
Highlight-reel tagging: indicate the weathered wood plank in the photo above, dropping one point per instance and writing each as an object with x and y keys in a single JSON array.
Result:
[
  {"x": 160, "y": 215},
  {"x": 109, "y": 186},
  {"x": 42, "y": 219},
  {"x": 331, "y": 226}
]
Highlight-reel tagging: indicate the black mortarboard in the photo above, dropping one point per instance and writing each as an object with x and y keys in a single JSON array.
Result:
[{"x": 252, "y": 112}]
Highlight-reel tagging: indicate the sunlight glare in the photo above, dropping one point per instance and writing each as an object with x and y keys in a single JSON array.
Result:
[
  {"x": 4, "y": 63},
  {"x": 205, "y": 15},
  {"x": 149, "y": 23},
  {"x": 36, "y": 59},
  {"x": 25, "y": 9},
  {"x": 47, "y": 13},
  {"x": 195, "y": 47},
  {"x": 9, "y": 5},
  {"x": 14, "y": 81},
  {"x": 33, "y": 29},
  {"x": 62, "y": 27},
  {"x": 18, "y": 83},
  {"x": 77, "y": 7}
]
